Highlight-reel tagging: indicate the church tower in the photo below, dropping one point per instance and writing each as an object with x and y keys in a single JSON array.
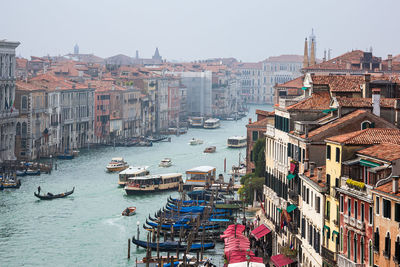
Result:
[
  {"x": 305, "y": 59},
  {"x": 157, "y": 55},
  {"x": 76, "y": 49},
  {"x": 312, "y": 55}
]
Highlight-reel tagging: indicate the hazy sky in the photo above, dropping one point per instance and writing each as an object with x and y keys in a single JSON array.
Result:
[{"x": 188, "y": 29}]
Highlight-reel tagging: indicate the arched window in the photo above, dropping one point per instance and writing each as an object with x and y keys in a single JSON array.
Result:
[
  {"x": 18, "y": 129},
  {"x": 362, "y": 250},
  {"x": 24, "y": 102},
  {"x": 348, "y": 244},
  {"x": 355, "y": 247},
  {"x": 366, "y": 124},
  {"x": 397, "y": 249},
  {"x": 23, "y": 130},
  {"x": 341, "y": 239},
  {"x": 387, "y": 245},
  {"x": 371, "y": 254},
  {"x": 376, "y": 239}
]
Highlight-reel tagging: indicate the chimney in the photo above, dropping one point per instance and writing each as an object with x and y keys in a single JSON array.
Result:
[
  {"x": 249, "y": 120},
  {"x": 367, "y": 80},
  {"x": 395, "y": 184},
  {"x": 312, "y": 166},
  {"x": 305, "y": 59},
  {"x": 319, "y": 173},
  {"x": 306, "y": 164},
  {"x": 390, "y": 61},
  {"x": 324, "y": 59},
  {"x": 376, "y": 101}
]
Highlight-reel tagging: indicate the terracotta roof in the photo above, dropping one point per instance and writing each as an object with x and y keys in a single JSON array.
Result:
[
  {"x": 339, "y": 83},
  {"x": 261, "y": 123},
  {"x": 21, "y": 63},
  {"x": 318, "y": 101},
  {"x": 250, "y": 65},
  {"x": 321, "y": 182},
  {"x": 387, "y": 188},
  {"x": 384, "y": 151},
  {"x": 49, "y": 82},
  {"x": 285, "y": 58},
  {"x": 295, "y": 83},
  {"x": 264, "y": 112},
  {"x": 365, "y": 102},
  {"x": 368, "y": 136}
]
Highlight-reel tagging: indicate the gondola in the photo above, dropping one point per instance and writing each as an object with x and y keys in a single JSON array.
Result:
[
  {"x": 209, "y": 234},
  {"x": 50, "y": 196},
  {"x": 207, "y": 226},
  {"x": 172, "y": 246}
]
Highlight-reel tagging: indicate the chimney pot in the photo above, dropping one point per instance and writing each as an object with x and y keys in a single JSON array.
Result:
[
  {"x": 376, "y": 101},
  {"x": 395, "y": 184},
  {"x": 249, "y": 120},
  {"x": 319, "y": 173},
  {"x": 312, "y": 166},
  {"x": 390, "y": 61}
]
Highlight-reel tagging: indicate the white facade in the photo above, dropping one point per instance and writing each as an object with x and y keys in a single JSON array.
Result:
[
  {"x": 250, "y": 82},
  {"x": 8, "y": 114}
]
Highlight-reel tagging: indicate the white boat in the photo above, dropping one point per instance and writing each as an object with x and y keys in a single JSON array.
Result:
[
  {"x": 212, "y": 123},
  {"x": 237, "y": 141},
  {"x": 117, "y": 165},
  {"x": 196, "y": 121},
  {"x": 153, "y": 183},
  {"x": 167, "y": 162},
  {"x": 195, "y": 141},
  {"x": 131, "y": 172}
]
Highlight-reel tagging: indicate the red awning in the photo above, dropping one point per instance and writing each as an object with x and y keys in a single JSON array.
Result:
[
  {"x": 230, "y": 231},
  {"x": 260, "y": 231},
  {"x": 281, "y": 260}
]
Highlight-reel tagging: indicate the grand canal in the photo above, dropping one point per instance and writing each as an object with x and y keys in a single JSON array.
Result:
[{"x": 87, "y": 229}]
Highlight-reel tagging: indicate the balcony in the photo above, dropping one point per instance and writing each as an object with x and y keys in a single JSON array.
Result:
[
  {"x": 360, "y": 225},
  {"x": 343, "y": 261},
  {"x": 346, "y": 218},
  {"x": 294, "y": 196},
  {"x": 328, "y": 255},
  {"x": 353, "y": 221}
]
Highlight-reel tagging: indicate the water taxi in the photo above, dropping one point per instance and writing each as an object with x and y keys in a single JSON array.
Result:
[
  {"x": 117, "y": 165},
  {"x": 210, "y": 149},
  {"x": 212, "y": 124},
  {"x": 196, "y": 121},
  {"x": 129, "y": 211},
  {"x": 153, "y": 183},
  {"x": 195, "y": 141},
  {"x": 167, "y": 162},
  {"x": 237, "y": 141},
  {"x": 200, "y": 176},
  {"x": 131, "y": 172}
]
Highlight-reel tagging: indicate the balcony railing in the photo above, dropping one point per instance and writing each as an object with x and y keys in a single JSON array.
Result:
[
  {"x": 327, "y": 254},
  {"x": 360, "y": 225},
  {"x": 352, "y": 221},
  {"x": 346, "y": 218},
  {"x": 345, "y": 262}
]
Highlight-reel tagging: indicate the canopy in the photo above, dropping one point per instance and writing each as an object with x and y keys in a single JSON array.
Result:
[
  {"x": 230, "y": 231},
  {"x": 281, "y": 260},
  {"x": 290, "y": 176},
  {"x": 291, "y": 208},
  {"x": 368, "y": 163},
  {"x": 334, "y": 232},
  {"x": 304, "y": 88},
  {"x": 327, "y": 227},
  {"x": 260, "y": 231},
  {"x": 245, "y": 264},
  {"x": 326, "y": 111}
]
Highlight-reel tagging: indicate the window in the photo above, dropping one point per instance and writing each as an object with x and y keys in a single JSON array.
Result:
[
  {"x": 349, "y": 207},
  {"x": 371, "y": 254},
  {"x": 341, "y": 204},
  {"x": 24, "y": 102},
  {"x": 255, "y": 135},
  {"x": 328, "y": 152},
  {"x": 341, "y": 239},
  {"x": 387, "y": 245},
  {"x": 328, "y": 209},
  {"x": 397, "y": 212},
  {"x": 355, "y": 247},
  {"x": 365, "y": 125},
  {"x": 355, "y": 209},
  {"x": 362, "y": 212},
  {"x": 370, "y": 215},
  {"x": 328, "y": 180},
  {"x": 386, "y": 209},
  {"x": 376, "y": 239},
  {"x": 397, "y": 249},
  {"x": 308, "y": 196},
  {"x": 317, "y": 204},
  {"x": 348, "y": 244},
  {"x": 362, "y": 256},
  {"x": 337, "y": 154},
  {"x": 337, "y": 183},
  {"x": 377, "y": 205}
]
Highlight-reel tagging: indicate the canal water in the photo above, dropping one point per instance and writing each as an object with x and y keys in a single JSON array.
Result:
[{"x": 87, "y": 229}]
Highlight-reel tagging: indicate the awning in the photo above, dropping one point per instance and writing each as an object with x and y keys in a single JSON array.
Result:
[
  {"x": 326, "y": 111},
  {"x": 327, "y": 227},
  {"x": 281, "y": 260},
  {"x": 334, "y": 232},
  {"x": 368, "y": 163},
  {"x": 290, "y": 176},
  {"x": 304, "y": 88},
  {"x": 260, "y": 231},
  {"x": 291, "y": 208},
  {"x": 279, "y": 210},
  {"x": 247, "y": 264}
]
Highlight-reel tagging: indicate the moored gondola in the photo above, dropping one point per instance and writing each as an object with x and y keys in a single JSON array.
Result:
[
  {"x": 50, "y": 196},
  {"x": 172, "y": 246}
]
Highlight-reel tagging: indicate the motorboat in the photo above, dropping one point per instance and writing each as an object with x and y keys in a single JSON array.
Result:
[
  {"x": 237, "y": 141},
  {"x": 165, "y": 162},
  {"x": 195, "y": 141},
  {"x": 32, "y": 172},
  {"x": 130, "y": 172},
  {"x": 212, "y": 123},
  {"x": 10, "y": 182},
  {"x": 153, "y": 183},
  {"x": 129, "y": 211},
  {"x": 117, "y": 165},
  {"x": 210, "y": 149}
]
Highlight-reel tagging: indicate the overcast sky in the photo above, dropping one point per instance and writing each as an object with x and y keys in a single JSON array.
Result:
[{"x": 188, "y": 29}]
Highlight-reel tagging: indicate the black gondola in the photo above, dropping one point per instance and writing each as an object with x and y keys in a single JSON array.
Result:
[
  {"x": 50, "y": 196},
  {"x": 172, "y": 246}
]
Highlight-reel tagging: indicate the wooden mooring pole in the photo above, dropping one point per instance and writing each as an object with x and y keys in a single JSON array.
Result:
[{"x": 129, "y": 248}]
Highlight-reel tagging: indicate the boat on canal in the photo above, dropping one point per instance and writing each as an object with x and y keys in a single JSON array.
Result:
[
  {"x": 117, "y": 165},
  {"x": 237, "y": 141},
  {"x": 167, "y": 162},
  {"x": 172, "y": 246},
  {"x": 129, "y": 211},
  {"x": 212, "y": 123},
  {"x": 130, "y": 172},
  {"x": 196, "y": 122},
  {"x": 200, "y": 176},
  {"x": 210, "y": 149},
  {"x": 153, "y": 183},
  {"x": 10, "y": 182},
  {"x": 195, "y": 141},
  {"x": 50, "y": 196}
]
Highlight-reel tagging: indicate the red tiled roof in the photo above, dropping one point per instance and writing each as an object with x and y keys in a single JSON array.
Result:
[
  {"x": 365, "y": 102},
  {"x": 285, "y": 58},
  {"x": 250, "y": 65},
  {"x": 49, "y": 82},
  {"x": 384, "y": 151},
  {"x": 318, "y": 101},
  {"x": 263, "y": 112},
  {"x": 368, "y": 136},
  {"x": 339, "y": 83},
  {"x": 295, "y": 83},
  {"x": 261, "y": 123},
  {"x": 314, "y": 178},
  {"x": 387, "y": 188}
]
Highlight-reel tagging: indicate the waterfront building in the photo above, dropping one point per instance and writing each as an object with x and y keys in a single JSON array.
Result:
[
  {"x": 8, "y": 112},
  {"x": 255, "y": 131},
  {"x": 162, "y": 109},
  {"x": 250, "y": 81},
  {"x": 339, "y": 149},
  {"x": 131, "y": 112},
  {"x": 174, "y": 101},
  {"x": 386, "y": 222},
  {"x": 278, "y": 70}
]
